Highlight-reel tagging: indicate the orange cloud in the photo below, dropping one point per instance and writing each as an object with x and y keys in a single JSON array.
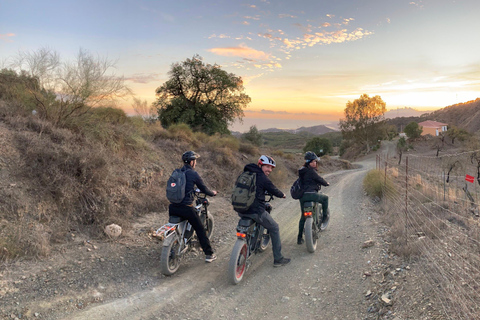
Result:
[
  {"x": 6, "y": 36},
  {"x": 240, "y": 51}
]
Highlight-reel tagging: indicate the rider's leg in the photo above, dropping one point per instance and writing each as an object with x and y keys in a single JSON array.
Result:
[
  {"x": 323, "y": 199},
  {"x": 301, "y": 224},
  {"x": 267, "y": 221},
  {"x": 189, "y": 213}
]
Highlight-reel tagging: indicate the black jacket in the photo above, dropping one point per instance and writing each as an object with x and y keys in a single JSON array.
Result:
[
  {"x": 192, "y": 178},
  {"x": 263, "y": 184},
  {"x": 311, "y": 181}
]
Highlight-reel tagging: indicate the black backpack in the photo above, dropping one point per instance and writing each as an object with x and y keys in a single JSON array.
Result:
[
  {"x": 243, "y": 193},
  {"x": 296, "y": 191},
  {"x": 176, "y": 186}
]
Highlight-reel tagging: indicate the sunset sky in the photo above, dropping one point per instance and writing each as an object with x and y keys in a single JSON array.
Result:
[{"x": 301, "y": 61}]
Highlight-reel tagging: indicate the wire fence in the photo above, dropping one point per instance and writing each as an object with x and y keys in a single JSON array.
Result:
[{"x": 432, "y": 204}]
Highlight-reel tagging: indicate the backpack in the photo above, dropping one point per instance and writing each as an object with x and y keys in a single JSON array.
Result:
[
  {"x": 176, "y": 186},
  {"x": 296, "y": 191},
  {"x": 243, "y": 193}
]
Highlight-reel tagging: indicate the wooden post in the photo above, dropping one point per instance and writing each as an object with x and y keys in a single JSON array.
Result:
[{"x": 406, "y": 201}]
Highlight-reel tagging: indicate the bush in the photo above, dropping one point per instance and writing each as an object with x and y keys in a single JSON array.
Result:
[
  {"x": 248, "y": 148},
  {"x": 374, "y": 183}
]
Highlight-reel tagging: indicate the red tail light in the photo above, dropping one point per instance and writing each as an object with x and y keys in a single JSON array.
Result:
[
  {"x": 241, "y": 235},
  {"x": 307, "y": 213}
]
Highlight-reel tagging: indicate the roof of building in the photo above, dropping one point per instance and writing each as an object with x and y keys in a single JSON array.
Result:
[{"x": 432, "y": 124}]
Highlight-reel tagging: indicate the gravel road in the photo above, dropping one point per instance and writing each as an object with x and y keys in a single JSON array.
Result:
[{"x": 328, "y": 284}]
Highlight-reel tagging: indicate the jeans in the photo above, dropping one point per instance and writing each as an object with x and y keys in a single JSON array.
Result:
[
  {"x": 191, "y": 215},
  {"x": 266, "y": 220},
  {"x": 311, "y": 196}
]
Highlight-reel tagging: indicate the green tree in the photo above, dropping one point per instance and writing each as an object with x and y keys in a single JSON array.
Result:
[
  {"x": 201, "y": 95},
  {"x": 253, "y": 136},
  {"x": 401, "y": 148},
  {"x": 320, "y": 146},
  {"x": 413, "y": 130},
  {"x": 363, "y": 120},
  {"x": 454, "y": 132}
]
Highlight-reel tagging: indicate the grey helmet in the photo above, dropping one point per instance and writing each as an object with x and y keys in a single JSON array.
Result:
[
  {"x": 189, "y": 156},
  {"x": 311, "y": 156}
]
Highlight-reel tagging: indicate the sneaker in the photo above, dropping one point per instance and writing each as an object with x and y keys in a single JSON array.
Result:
[
  {"x": 282, "y": 262},
  {"x": 300, "y": 241},
  {"x": 210, "y": 258}
]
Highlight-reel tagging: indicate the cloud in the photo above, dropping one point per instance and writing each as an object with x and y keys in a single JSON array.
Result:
[
  {"x": 143, "y": 77},
  {"x": 284, "y": 15},
  {"x": 241, "y": 51},
  {"x": 6, "y": 37}
]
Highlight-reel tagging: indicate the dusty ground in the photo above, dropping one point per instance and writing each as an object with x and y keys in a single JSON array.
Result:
[{"x": 121, "y": 279}]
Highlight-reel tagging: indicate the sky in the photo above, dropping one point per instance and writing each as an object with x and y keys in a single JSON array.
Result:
[{"x": 301, "y": 61}]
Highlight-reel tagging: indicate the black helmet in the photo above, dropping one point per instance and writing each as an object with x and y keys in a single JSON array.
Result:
[
  {"x": 311, "y": 156},
  {"x": 189, "y": 156}
]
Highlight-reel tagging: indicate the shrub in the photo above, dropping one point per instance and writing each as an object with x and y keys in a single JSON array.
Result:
[
  {"x": 374, "y": 183},
  {"x": 248, "y": 148}
]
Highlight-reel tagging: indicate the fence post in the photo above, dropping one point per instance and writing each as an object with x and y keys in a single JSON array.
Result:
[
  {"x": 406, "y": 201},
  {"x": 444, "y": 185}
]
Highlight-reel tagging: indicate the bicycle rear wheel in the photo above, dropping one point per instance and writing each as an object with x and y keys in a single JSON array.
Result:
[
  {"x": 310, "y": 235},
  {"x": 238, "y": 262}
]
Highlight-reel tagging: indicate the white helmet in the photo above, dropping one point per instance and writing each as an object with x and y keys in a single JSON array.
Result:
[{"x": 266, "y": 160}]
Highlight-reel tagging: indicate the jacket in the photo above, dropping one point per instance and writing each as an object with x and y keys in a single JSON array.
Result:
[
  {"x": 311, "y": 181},
  {"x": 263, "y": 184},
  {"x": 192, "y": 179}
]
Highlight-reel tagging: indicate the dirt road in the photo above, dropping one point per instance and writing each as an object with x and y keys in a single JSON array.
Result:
[{"x": 328, "y": 284}]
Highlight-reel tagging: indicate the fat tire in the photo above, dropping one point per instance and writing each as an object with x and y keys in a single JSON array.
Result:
[
  {"x": 169, "y": 260},
  {"x": 265, "y": 241},
  {"x": 209, "y": 226},
  {"x": 310, "y": 238},
  {"x": 238, "y": 262}
]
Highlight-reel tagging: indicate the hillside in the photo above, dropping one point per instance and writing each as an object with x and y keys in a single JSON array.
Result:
[
  {"x": 315, "y": 130},
  {"x": 463, "y": 115}
]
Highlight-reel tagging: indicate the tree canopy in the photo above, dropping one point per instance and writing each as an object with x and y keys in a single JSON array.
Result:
[
  {"x": 253, "y": 136},
  {"x": 413, "y": 130},
  {"x": 201, "y": 95},
  {"x": 320, "y": 146},
  {"x": 363, "y": 118}
]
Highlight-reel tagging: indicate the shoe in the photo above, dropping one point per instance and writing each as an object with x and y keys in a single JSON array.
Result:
[
  {"x": 210, "y": 258},
  {"x": 300, "y": 241},
  {"x": 282, "y": 262}
]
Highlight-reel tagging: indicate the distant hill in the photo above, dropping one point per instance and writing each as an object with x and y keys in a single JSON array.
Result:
[
  {"x": 404, "y": 112},
  {"x": 315, "y": 130},
  {"x": 463, "y": 115}
]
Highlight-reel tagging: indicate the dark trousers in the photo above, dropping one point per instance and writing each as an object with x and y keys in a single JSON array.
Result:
[
  {"x": 266, "y": 220},
  {"x": 311, "y": 196},
  {"x": 190, "y": 214}
]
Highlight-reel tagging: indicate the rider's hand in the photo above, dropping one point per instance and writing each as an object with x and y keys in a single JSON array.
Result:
[
  {"x": 284, "y": 196},
  {"x": 214, "y": 193}
]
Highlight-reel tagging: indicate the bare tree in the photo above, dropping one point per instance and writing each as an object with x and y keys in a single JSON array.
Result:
[
  {"x": 148, "y": 113},
  {"x": 70, "y": 89}
]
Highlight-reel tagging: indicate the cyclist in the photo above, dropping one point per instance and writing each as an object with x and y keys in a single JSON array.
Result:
[
  {"x": 186, "y": 210},
  {"x": 311, "y": 183},
  {"x": 263, "y": 168}
]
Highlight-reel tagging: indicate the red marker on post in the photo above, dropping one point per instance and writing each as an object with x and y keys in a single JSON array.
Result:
[{"x": 469, "y": 178}]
